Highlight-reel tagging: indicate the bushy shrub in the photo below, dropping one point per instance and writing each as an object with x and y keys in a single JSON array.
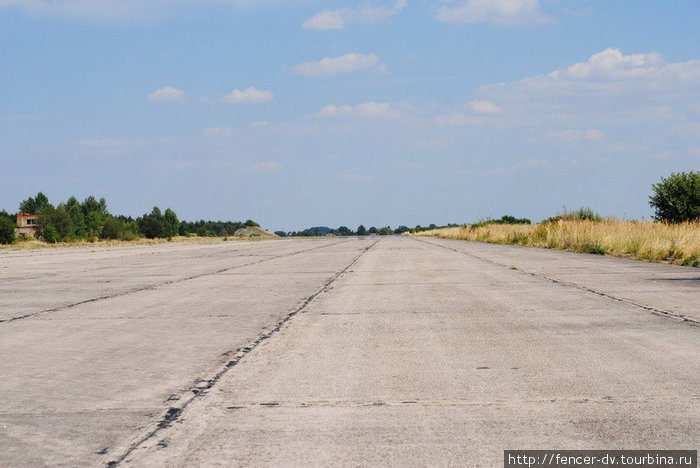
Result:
[
  {"x": 504, "y": 220},
  {"x": 582, "y": 214},
  {"x": 50, "y": 235},
  {"x": 112, "y": 228}
]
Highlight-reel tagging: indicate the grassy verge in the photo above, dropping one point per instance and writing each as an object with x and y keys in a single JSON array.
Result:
[
  {"x": 36, "y": 244},
  {"x": 651, "y": 241}
]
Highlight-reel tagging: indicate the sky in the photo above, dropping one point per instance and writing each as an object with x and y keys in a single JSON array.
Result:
[{"x": 301, "y": 113}]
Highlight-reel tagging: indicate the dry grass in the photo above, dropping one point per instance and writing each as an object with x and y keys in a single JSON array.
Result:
[
  {"x": 651, "y": 241},
  {"x": 36, "y": 244}
]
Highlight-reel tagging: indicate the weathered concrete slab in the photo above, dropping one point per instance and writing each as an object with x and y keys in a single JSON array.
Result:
[
  {"x": 81, "y": 380},
  {"x": 422, "y": 357},
  {"x": 667, "y": 288}
]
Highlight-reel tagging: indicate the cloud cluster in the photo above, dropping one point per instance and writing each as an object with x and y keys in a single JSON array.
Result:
[
  {"x": 609, "y": 72},
  {"x": 493, "y": 11},
  {"x": 338, "y": 19},
  {"x": 582, "y": 102},
  {"x": 347, "y": 63}
]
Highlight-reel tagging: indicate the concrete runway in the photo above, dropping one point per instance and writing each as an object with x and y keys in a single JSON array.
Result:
[{"x": 340, "y": 352}]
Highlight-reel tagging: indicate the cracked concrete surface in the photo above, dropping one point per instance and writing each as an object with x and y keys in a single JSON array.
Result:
[
  {"x": 96, "y": 363},
  {"x": 411, "y": 353}
]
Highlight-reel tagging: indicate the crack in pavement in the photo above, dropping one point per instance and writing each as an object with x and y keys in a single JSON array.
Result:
[
  {"x": 235, "y": 406},
  {"x": 203, "y": 385},
  {"x": 161, "y": 284},
  {"x": 659, "y": 312}
]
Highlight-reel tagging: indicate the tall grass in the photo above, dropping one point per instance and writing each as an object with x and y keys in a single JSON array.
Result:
[{"x": 652, "y": 241}]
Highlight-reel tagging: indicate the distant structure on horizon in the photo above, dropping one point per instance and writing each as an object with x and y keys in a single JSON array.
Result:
[
  {"x": 252, "y": 231},
  {"x": 27, "y": 224}
]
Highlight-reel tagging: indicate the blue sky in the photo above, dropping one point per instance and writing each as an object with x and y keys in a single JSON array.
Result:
[{"x": 303, "y": 112}]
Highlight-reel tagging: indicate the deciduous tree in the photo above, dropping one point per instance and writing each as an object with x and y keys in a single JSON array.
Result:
[{"x": 677, "y": 197}]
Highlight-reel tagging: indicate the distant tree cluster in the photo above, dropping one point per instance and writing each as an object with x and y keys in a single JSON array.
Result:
[
  {"x": 74, "y": 220},
  {"x": 7, "y": 227},
  {"x": 90, "y": 220},
  {"x": 213, "y": 228},
  {"x": 159, "y": 224},
  {"x": 360, "y": 231}
]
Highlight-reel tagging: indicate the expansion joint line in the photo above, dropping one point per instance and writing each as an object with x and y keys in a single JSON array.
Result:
[
  {"x": 172, "y": 414},
  {"x": 662, "y": 313},
  {"x": 161, "y": 284}
]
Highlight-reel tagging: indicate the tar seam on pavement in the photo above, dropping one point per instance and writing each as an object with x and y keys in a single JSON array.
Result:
[
  {"x": 164, "y": 283},
  {"x": 174, "y": 412}
]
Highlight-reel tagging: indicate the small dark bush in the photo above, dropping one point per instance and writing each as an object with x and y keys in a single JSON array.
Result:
[
  {"x": 583, "y": 213},
  {"x": 504, "y": 220},
  {"x": 50, "y": 234}
]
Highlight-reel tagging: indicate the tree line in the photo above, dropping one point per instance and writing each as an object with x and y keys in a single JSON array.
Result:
[
  {"x": 360, "y": 231},
  {"x": 90, "y": 220},
  {"x": 675, "y": 199}
]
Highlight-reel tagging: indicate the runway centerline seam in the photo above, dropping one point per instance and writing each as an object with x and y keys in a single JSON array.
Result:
[{"x": 173, "y": 413}]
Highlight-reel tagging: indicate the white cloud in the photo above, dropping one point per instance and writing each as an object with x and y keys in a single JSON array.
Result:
[
  {"x": 259, "y": 123},
  {"x": 366, "y": 110},
  {"x": 333, "y": 66},
  {"x": 325, "y": 20},
  {"x": 249, "y": 95},
  {"x": 484, "y": 107},
  {"x": 338, "y": 19},
  {"x": 334, "y": 157},
  {"x": 217, "y": 132},
  {"x": 167, "y": 94},
  {"x": 611, "y": 64},
  {"x": 493, "y": 11}
]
